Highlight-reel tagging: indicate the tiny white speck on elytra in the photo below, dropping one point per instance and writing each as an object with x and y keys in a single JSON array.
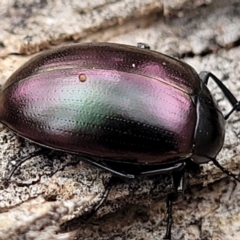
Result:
[
  {"x": 164, "y": 63},
  {"x": 133, "y": 65}
]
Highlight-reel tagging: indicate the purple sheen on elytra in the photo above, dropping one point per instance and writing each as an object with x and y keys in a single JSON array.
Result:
[
  {"x": 116, "y": 57},
  {"x": 113, "y": 114}
]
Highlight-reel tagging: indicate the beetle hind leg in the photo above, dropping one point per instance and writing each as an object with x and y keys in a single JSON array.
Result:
[{"x": 9, "y": 174}]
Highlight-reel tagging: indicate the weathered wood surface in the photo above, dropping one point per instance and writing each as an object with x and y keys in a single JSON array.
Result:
[{"x": 48, "y": 193}]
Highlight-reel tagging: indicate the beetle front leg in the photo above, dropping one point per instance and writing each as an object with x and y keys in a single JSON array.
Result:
[
  {"x": 169, "y": 218},
  {"x": 179, "y": 186}
]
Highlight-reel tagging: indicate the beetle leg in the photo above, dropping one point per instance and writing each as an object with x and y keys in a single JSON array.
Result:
[
  {"x": 8, "y": 175},
  {"x": 179, "y": 186},
  {"x": 162, "y": 170},
  {"x": 169, "y": 219},
  {"x": 224, "y": 170},
  {"x": 234, "y": 102},
  {"x": 87, "y": 217},
  {"x": 101, "y": 165},
  {"x": 104, "y": 196},
  {"x": 176, "y": 168}
]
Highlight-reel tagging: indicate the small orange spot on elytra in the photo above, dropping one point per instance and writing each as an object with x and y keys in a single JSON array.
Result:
[{"x": 82, "y": 77}]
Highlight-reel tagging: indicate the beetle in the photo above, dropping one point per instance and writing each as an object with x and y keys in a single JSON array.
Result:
[{"x": 129, "y": 110}]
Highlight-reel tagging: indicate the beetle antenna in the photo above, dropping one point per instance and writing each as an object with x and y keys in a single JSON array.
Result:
[
  {"x": 234, "y": 102},
  {"x": 235, "y": 108},
  {"x": 224, "y": 170}
]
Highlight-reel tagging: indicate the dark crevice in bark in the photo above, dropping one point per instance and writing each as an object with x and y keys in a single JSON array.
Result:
[{"x": 208, "y": 51}]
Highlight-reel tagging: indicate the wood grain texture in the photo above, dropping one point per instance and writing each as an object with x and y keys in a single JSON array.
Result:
[{"x": 48, "y": 196}]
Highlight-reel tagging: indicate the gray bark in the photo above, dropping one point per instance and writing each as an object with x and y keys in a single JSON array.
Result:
[{"x": 48, "y": 195}]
